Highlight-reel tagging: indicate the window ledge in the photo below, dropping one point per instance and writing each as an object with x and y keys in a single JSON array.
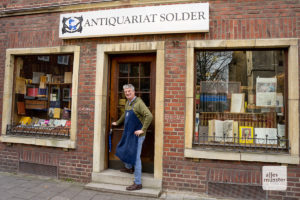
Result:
[
  {"x": 49, "y": 142},
  {"x": 241, "y": 156}
]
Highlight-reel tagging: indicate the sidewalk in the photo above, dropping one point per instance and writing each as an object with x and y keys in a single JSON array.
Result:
[{"x": 21, "y": 186}]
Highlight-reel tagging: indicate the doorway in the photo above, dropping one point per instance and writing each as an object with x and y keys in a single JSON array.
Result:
[{"x": 138, "y": 70}]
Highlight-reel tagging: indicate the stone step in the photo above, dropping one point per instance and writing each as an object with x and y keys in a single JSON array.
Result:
[
  {"x": 121, "y": 189},
  {"x": 110, "y": 176}
]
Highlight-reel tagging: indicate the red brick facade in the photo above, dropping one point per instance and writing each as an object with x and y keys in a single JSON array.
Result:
[{"x": 237, "y": 19}]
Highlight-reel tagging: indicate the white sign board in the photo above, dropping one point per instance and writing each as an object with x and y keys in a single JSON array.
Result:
[
  {"x": 274, "y": 177},
  {"x": 178, "y": 18}
]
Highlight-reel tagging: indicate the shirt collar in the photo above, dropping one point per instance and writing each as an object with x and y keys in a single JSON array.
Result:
[{"x": 132, "y": 100}]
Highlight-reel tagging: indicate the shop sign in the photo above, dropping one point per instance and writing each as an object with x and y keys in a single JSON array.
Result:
[
  {"x": 178, "y": 18},
  {"x": 274, "y": 177}
]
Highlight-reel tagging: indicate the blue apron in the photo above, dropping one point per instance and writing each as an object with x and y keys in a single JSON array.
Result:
[{"x": 127, "y": 147}]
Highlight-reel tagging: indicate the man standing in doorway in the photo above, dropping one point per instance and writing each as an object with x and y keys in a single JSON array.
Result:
[{"x": 137, "y": 119}]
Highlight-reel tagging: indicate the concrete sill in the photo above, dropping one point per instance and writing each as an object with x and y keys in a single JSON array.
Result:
[
  {"x": 241, "y": 156},
  {"x": 49, "y": 142}
]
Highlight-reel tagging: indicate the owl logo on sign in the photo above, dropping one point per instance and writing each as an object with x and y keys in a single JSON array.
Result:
[{"x": 72, "y": 24}]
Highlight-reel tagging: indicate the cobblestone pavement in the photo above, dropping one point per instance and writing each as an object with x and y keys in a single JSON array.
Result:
[{"x": 21, "y": 186}]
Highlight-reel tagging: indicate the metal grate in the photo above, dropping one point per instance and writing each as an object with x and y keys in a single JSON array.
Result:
[
  {"x": 236, "y": 143},
  {"x": 21, "y": 130},
  {"x": 236, "y": 191},
  {"x": 38, "y": 169}
]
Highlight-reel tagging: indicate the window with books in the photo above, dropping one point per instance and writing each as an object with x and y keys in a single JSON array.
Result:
[
  {"x": 240, "y": 100},
  {"x": 41, "y": 96}
]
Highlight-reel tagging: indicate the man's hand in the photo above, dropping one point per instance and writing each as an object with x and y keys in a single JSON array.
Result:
[
  {"x": 114, "y": 123},
  {"x": 138, "y": 132}
]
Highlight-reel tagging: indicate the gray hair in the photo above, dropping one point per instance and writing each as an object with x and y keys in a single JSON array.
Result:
[{"x": 128, "y": 86}]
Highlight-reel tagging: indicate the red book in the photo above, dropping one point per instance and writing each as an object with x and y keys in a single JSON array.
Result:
[
  {"x": 32, "y": 92},
  {"x": 21, "y": 108},
  {"x": 68, "y": 124}
]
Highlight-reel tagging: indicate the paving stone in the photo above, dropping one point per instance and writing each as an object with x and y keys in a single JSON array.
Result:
[
  {"x": 39, "y": 198},
  {"x": 88, "y": 193},
  {"x": 17, "y": 187},
  {"x": 59, "y": 198},
  {"x": 8, "y": 185},
  {"x": 102, "y": 197},
  {"x": 5, "y": 195},
  {"x": 44, "y": 187},
  {"x": 82, "y": 197},
  {"x": 70, "y": 192},
  {"x": 21, "y": 192},
  {"x": 14, "y": 198},
  {"x": 44, "y": 195},
  {"x": 31, "y": 184}
]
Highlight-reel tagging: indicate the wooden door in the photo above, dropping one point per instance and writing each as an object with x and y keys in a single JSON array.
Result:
[{"x": 139, "y": 70}]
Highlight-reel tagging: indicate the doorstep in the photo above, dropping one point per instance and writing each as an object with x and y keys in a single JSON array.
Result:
[{"x": 115, "y": 181}]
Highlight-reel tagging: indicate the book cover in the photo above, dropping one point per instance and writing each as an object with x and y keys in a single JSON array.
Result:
[
  {"x": 246, "y": 134},
  {"x": 41, "y": 122},
  {"x": 68, "y": 77},
  {"x": 224, "y": 131},
  {"x": 203, "y": 133},
  {"x": 32, "y": 92},
  {"x": 56, "y": 113},
  {"x": 20, "y": 85},
  {"x": 63, "y": 122},
  {"x": 56, "y": 122},
  {"x": 51, "y": 112},
  {"x": 265, "y": 135},
  {"x": 21, "y": 108},
  {"x": 237, "y": 103},
  {"x": 36, "y": 76},
  {"x": 68, "y": 123},
  {"x": 34, "y": 121},
  {"x": 51, "y": 122},
  {"x": 25, "y": 120}
]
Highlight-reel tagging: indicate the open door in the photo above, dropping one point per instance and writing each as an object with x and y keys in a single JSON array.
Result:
[{"x": 138, "y": 70}]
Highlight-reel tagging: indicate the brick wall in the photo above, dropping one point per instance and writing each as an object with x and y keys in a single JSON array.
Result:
[
  {"x": 234, "y": 20},
  {"x": 228, "y": 20},
  {"x": 20, "y": 4}
]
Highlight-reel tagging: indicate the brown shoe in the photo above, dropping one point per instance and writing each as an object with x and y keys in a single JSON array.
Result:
[
  {"x": 125, "y": 170},
  {"x": 134, "y": 187}
]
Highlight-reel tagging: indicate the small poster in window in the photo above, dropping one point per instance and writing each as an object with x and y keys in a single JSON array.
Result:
[
  {"x": 44, "y": 58},
  {"x": 246, "y": 134},
  {"x": 68, "y": 77},
  {"x": 265, "y": 135},
  {"x": 51, "y": 112},
  {"x": 266, "y": 91},
  {"x": 279, "y": 100},
  {"x": 20, "y": 85},
  {"x": 237, "y": 103},
  {"x": 63, "y": 60}
]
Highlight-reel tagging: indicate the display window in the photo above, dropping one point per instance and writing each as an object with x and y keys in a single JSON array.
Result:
[
  {"x": 41, "y": 99},
  {"x": 240, "y": 100}
]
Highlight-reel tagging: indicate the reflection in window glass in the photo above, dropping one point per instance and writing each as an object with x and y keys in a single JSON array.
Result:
[
  {"x": 122, "y": 81},
  {"x": 123, "y": 71},
  {"x": 134, "y": 70},
  {"x": 145, "y": 69},
  {"x": 146, "y": 98},
  {"x": 145, "y": 84},
  {"x": 135, "y": 83},
  {"x": 239, "y": 99}
]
